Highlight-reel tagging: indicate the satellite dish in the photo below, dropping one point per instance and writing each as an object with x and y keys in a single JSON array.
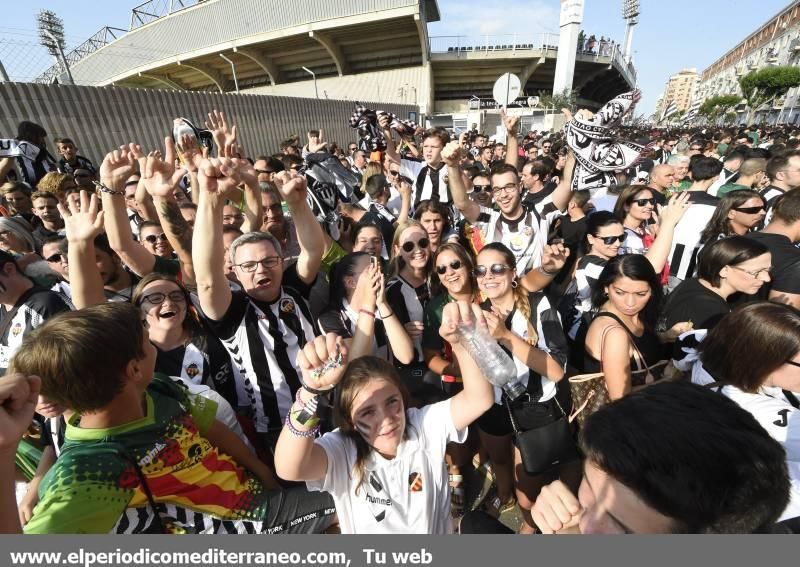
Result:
[
  {"x": 533, "y": 101},
  {"x": 506, "y": 89}
]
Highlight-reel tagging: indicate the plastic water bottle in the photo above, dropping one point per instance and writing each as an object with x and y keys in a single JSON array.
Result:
[{"x": 498, "y": 368}]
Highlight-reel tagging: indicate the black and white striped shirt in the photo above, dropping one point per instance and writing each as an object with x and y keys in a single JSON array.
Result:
[
  {"x": 343, "y": 323},
  {"x": 33, "y": 308},
  {"x": 263, "y": 341},
  {"x": 686, "y": 240},
  {"x": 771, "y": 195},
  {"x": 525, "y": 237},
  {"x": 428, "y": 183},
  {"x": 408, "y": 303},
  {"x": 586, "y": 275},
  {"x": 550, "y": 338}
]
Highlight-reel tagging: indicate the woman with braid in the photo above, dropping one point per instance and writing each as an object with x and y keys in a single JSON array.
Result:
[{"x": 527, "y": 327}]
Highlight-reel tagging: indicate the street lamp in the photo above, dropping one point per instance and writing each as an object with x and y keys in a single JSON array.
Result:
[
  {"x": 310, "y": 72},
  {"x": 233, "y": 69}
]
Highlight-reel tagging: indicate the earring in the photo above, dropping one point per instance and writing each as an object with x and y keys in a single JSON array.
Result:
[{"x": 514, "y": 283}]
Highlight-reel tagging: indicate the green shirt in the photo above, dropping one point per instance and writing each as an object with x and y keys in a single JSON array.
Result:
[
  {"x": 730, "y": 187},
  {"x": 94, "y": 487}
]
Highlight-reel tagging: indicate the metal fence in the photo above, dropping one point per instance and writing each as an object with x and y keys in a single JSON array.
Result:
[
  {"x": 478, "y": 43},
  {"x": 102, "y": 118}
]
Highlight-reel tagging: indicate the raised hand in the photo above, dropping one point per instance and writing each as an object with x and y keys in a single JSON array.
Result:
[
  {"x": 384, "y": 121},
  {"x": 675, "y": 209},
  {"x": 223, "y": 136},
  {"x": 117, "y": 167},
  {"x": 323, "y": 362},
  {"x": 82, "y": 221},
  {"x": 18, "y": 397},
  {"x": 160, "y": 176},
  {"x": 495, "y": 321},
  {"x": 292, "y": 186},
  {"x": 554, "y": 257},
  {"x": 316, "y": 143},
  {"x": 452, "y": 154},
  {"x": 218, "y": 176},
  {"x": 190, "y": 153},
  {"x": 511, "y": 122},
  {"x": 457, "y": 314}
]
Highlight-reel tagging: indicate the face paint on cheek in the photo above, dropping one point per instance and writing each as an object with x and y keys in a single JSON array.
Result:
[{"x": 363, "y": 429}]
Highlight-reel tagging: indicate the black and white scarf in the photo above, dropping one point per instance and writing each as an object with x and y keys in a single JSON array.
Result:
[
  {"x": 597, "y": 153},
  {"x": 365, "y": 121}
]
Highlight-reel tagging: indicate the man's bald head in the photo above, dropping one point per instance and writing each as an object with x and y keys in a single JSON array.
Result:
[{"x": 662, "y": 177}]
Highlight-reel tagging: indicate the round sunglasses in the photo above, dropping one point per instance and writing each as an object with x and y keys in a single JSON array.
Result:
[
  {"x": 409, "y": 246},
  {"x": 455, "y": 265},
  {"x": 496, "y": 269}
]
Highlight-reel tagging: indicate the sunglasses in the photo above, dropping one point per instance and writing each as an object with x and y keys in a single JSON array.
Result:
[
  {"x": 409, "y": 246},
  {"x": 792, "y": 363},
  {"x": 749, "y": 210},
  {"x": 394, "y": 173},
  {"x": 81, "y": 175},
  {"x": 455, "y": 265},
  {"x": 644, "y": 202},
  {"x": 496, "y": 269},
  {"x": 153, "y": 238},
  {"x": 609, "y": 240},
  {"x": 56, "y": 257},
  {"x": 265, "y": 171},
  {"x": 158, "y": 298},
  {"x": 482, "y": 188}
]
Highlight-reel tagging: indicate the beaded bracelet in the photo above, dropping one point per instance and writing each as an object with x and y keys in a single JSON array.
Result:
[
  {"x": 294, "y": 431},
  {"x": 106, "y": 189}
]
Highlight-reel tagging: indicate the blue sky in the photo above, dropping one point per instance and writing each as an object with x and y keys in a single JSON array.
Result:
[{"x": 671, "y": 35}]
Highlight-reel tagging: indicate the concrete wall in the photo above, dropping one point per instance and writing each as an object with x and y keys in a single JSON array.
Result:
[{"x": 102, "y": 118}]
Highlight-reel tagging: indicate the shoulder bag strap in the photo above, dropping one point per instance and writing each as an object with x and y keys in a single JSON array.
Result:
[
  {"x": 637, "y": 354},
  {"x": 791, "y": 398}
]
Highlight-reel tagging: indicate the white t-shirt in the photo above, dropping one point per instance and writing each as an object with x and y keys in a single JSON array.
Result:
[{"x": 409, "y": 494}]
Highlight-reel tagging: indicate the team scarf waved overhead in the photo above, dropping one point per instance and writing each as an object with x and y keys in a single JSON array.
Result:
[
  {"x": 365, "y": 120},
  {"x": 598, "y": 154}
]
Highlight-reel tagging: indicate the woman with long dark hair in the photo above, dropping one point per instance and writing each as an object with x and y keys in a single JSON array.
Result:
[
  {"x": 626, "y": 302},
  {"x": 738, "y": 212},
  {"x": 356, "y": 291}
]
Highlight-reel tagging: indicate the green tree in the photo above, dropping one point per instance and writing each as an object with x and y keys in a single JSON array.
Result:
[
  {"x": 766, "y": 85},
  {"x": 565, "y": 99},
  {"x": 717, "y": 106}
]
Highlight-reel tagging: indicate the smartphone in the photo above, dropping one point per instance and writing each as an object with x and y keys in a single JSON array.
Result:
[{"x": 373, "y": 260}]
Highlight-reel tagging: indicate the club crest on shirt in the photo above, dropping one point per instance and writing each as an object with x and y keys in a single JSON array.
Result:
[
  {"x": 16, "y": 329},
  {"x": 192, "y": 370},
  {"x": 415, "y": 482},
  {"x": 286, "y": 305}
]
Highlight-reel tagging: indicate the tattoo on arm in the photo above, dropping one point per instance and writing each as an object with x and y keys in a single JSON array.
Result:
[{"x": 175, "y": 223}]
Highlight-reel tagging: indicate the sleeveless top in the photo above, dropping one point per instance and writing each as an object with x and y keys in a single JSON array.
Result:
[{"x": 649, "y": 346}]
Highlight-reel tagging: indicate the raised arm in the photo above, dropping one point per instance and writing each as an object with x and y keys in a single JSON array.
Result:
[
  {"x": 478, "y": 395},
  {"x": 254, "y": 210},
  {"x": 512, "y": 146},
  {"x": 18, "y": 396},
  {"x": 668, "y": 220},
  {"x": 118, "y": 227},
  {"x": 161, "y": 179},
  {"x": 297, "y": 457},
  {"x": 554, "y": 257},
  {"x": 452, "y": 154},
  {"x": 217, "y": 180},
  {"x": 82, "y": 226},
  {"x": 563, "y": 193},
  {"x": 6, "y": 165},
  {"x": 405, "y": 202},
  {"x": 391, "y": 148},
  {"x": 293, "y": 189}
]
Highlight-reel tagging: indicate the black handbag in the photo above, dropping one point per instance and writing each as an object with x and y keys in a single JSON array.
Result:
[{"x": 545, "y": 446}]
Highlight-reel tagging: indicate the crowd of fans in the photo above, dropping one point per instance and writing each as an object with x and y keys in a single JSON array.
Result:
[{"x": 219, "y": 341}]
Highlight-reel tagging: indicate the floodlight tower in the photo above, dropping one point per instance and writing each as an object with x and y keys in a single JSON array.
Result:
[
  {"x": 570, "y": 24},
  {"x": 630, "y": 13}
]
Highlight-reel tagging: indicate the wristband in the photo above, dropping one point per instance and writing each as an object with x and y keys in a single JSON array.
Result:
[
  {"x": 366, "y": 312},
  {"x": 296, "y": 432},
  {"x": 106, "y": 189},
  {"x": 548, "y": 274},
  {"x": 389, "y": 316}
]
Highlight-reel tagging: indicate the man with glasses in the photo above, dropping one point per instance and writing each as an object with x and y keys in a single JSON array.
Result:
[
  {"x": 546, "y": 146},
  {"x": 266, "y": 167},
  {"x": 781, "y": 236},
  {"x": 522, "y": 228},
  {"x": 265, "y": 323},
  {"x": 664, "y": 153}
]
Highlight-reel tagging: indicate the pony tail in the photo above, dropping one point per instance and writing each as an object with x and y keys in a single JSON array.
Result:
[{"x": 523, "y": 305}]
